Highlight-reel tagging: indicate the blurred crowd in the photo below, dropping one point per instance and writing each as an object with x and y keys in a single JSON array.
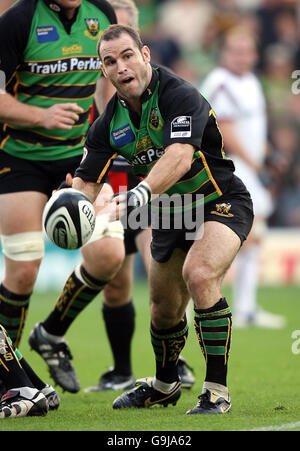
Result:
[{"x": 185, "y": 35}]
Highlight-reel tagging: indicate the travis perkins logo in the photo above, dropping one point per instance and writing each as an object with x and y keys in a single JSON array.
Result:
[{"x": 63, "y": 65}]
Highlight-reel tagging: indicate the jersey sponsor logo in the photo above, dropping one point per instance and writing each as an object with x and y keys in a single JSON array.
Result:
[
  {"x": 223, "y": 210},
  {"x": 75, "y": 48},
  {"x": 181, "y": 127},
  {"x": 148, "y": 156},
  {"x": 64, "y": 65},
  {"x": 46, "y": 34},
  {"x": 123, "y": 135},
  {"x": 93, "y": 28}
]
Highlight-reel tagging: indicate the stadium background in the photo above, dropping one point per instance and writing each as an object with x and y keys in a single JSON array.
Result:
[{"x": 185, "y": 35}]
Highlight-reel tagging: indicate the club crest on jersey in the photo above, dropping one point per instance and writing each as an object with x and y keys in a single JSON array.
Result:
[
  {"x": 223, "y": 210},
  {"x": 93, "y": 28},
  {"x": 154, "y": 121}
]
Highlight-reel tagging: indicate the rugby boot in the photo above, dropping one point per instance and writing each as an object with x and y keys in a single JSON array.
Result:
[
  {"x": 23, "y": 402},
  {"x": 210, "y": 402},
  {"x": 111, "y": 380},
  {"x": 145, "y": 395},
  {"x": 185, "y": 373},
  {"x": 52, "y": 397},
  {"x": 58, "y": 358}
]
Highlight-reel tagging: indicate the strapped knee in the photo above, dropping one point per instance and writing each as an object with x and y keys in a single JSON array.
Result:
[{"x": 25, "y": 246}]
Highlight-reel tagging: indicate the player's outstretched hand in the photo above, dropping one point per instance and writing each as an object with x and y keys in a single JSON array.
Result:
[{"x": 61, "y": 115}]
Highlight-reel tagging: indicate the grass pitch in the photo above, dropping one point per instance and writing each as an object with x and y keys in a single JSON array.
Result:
[{"x": 264, "y": 374}]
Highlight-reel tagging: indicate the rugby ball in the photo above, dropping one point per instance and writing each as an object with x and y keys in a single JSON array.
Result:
[{"x": 69, "y": 218}]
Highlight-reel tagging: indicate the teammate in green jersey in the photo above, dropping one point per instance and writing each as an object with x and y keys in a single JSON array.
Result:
[
  {"x": 49, "y": 59},
  {"x": 168, "y": 131},
  {"x": 47, "y": 337}
]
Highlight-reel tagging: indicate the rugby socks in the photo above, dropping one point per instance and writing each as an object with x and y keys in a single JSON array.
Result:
[
  {"x": 120, "y": 324},
  {"x": 167, "y": 345},
  {"x": 79, "y": 290},
  {"x": 13, "y": 312},
  {"x": 11, "y": 371},
  {"x": 213, "y": 328}
]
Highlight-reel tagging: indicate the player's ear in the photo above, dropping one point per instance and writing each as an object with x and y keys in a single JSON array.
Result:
[{"x": 146, "y": 53}]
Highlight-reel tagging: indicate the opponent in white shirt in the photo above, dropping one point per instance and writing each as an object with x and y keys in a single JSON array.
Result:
[{"x": 236, "y": 96}]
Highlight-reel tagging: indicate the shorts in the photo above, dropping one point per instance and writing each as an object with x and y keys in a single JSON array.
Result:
[
  {"x": 126, "y": 181},
  {"x": 17, "y": 174},
  {"x": 234, "y": 209}
]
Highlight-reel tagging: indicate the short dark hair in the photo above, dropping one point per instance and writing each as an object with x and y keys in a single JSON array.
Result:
[{"x": 115, "y": 31}]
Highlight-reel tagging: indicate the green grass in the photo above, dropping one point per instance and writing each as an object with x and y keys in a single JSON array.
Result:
[{"x": 263, "y": 374}]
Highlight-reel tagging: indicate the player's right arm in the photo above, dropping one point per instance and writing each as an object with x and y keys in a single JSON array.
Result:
[
  {"x": 63, "y": 115},
  {"x": 14, "y": 31}
]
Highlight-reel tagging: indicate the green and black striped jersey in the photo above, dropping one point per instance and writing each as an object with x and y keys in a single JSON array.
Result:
[
  {"x": 48, "y": 59},
  {"x": 173, "y": 111}
]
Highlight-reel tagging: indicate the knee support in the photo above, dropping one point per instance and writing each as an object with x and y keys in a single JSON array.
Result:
[{"x": 26, "y": 246}]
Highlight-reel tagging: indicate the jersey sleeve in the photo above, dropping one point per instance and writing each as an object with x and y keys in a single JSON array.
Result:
[
  {"x": 98, "y": 155},
  {"x": 15, "y": 26},
  {"x": 185, "y": 113}
]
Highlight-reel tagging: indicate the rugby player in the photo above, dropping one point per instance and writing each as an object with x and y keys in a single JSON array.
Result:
[{"x": 169, "y": 133}]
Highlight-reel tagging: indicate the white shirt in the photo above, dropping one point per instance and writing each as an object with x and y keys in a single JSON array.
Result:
[{"x": 241, "y": 99}]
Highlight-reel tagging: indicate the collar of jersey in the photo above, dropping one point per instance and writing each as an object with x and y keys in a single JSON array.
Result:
[{"x": 148, "y": 91}]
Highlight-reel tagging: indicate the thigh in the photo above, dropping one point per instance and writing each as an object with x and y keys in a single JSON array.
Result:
[
  {"x": 168, "y": 292},
  {"x": 21, "y": 212},
  {"x": 214, "y": 250}
]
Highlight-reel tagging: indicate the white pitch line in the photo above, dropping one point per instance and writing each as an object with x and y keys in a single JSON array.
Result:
[{"x": 278, "y": 427}]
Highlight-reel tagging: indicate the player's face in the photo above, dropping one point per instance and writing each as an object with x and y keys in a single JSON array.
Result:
[
  {"x": 126, "y": 66},
  {"x": 240, "y": 55}
]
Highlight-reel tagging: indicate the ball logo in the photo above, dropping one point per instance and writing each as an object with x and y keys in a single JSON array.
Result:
[{"x": 90, "y": 215}]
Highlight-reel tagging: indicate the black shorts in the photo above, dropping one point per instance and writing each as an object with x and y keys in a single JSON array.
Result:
[
  {"x": 234, "y": 209},
  {"x": 17, "y": 174}
]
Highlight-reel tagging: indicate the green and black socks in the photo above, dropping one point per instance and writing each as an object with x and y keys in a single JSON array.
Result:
[
  {"x": 213, "y": 328},
  {"x": 79, "y": 290},
  {"x": 13, "y": 312},
  {"x": 167, "y": 345}
]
